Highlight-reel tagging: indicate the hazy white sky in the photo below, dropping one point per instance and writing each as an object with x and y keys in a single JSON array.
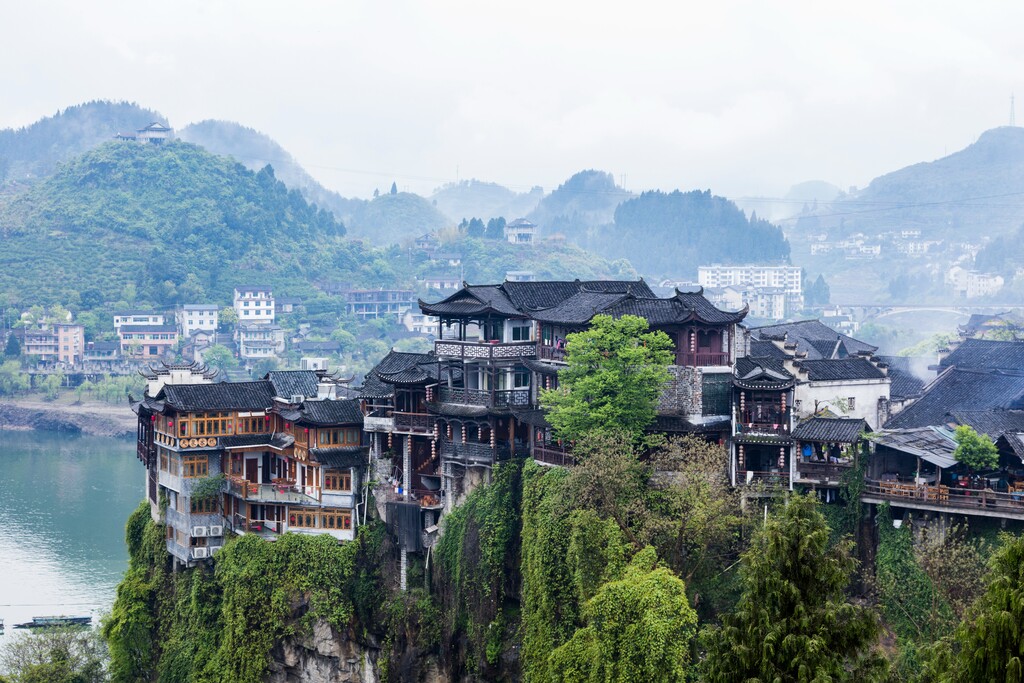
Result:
[{"x": 740, "y": 97}]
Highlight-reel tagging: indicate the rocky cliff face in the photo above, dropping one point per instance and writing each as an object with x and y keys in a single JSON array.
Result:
[
  {"x": 323, "y": 657},
  {"x": 330, "y": 657},
  {"x": 115, "y": 421}
]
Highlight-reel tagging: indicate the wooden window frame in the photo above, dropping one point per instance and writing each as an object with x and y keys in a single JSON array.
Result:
[
  {"x": 336, "y": 520},
  {"x": 338, "y": 481},
  {"x": 195, "y": 466}
]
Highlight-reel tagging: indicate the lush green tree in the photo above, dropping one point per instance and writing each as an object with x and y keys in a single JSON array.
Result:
[
  {"x": 55, "y": 656},
  {"x": 975, "y": 450},
  {"x": 13, "y": 347},
  {"x": 346, "y": 340},
  {"x": 638, "y": 630},
  {"x": 220, "y": 357},
  {"x": 12, "y": 379},
  {"x": 989, "y": 645},
  {"x": 817, "y": 293},
  {"x": 394, "y": 188},
  {"x": 616, "y": 371},
  {"x": 227, "y": 318},
  {"x": 495, "y": 229},
  {"x": 264, "y": 365},
  {"x": 51, "y": 385},
  {"x": 793, "y": 622}
]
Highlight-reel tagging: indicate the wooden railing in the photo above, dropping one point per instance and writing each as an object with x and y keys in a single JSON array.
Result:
[
  {"x": 499, "y": 398},
  {"x": 467, "y": 452},
  {"x": 416, "y": 423},
  {"x": 821, "y": 471},
  {"x": 270, "y": 493},
  {"x": 702, "y": 359},
  {"x": 768, "y": 478},
  {"x": 545, "y": 352},
  {"x": 946, "y": 496},
  {"x": 554, "y": 455},
  {"x": 453, "y": 348},
  {"x": 771, "y": 423}
]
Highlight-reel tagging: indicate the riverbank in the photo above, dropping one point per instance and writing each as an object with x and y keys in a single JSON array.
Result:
[{"x": 98, "y": 419}]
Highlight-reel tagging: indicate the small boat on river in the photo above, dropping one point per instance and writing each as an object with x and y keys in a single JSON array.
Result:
[{"x": 61, "y": 621}]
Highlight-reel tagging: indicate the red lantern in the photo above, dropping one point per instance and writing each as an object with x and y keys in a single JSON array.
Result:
[
  {"x": 170, "y": 424},
  {"x": 152, "y": 418},
  {"x": 267, "y": 418},
  {"x": 306, "y": 430}
]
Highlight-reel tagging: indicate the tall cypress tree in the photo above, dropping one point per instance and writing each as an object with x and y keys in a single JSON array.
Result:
[{"x": 792, "y": 622}]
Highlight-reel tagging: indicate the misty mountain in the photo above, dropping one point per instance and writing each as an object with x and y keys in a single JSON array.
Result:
[
  {"x": 579, "y": 205},
  {"x": 254, "y": 150},
  {"x": 479, "y": 199},
  {"x": 36, "y": 150},
  {"x": 393, "y": 218},
  {"x": 976, "y": 191}
]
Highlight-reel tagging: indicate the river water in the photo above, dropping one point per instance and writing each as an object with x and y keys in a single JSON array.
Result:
[{"x": 64, "y": 501}]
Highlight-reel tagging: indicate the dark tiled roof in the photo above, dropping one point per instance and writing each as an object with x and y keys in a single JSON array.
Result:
[
  {"x": 982, "y": 354},
  {"x": 766, "y": 349},
  {"x": 748, "y": 364},
  {"x": 378, "y": 383},
  {"x": 541, "y": 366},
  {"x": 258, "y": 395},
  {"x": 289, "y": 383},
  {"x": 955, "y": 390},
  {"x": 683, "y": 307},
  {"x": 579, "y": 308},
  {"x": 903, "y": 382},
  {"x": 761, "y": 373},
  {"x": 831, "y": 430},
  {"x": 808, "y": 335},
  {"x": 278, "y": 440},
  {"x": 340, "y": 458},
  {"x": 534, "y": 418},
  {"x": 995, "y": 423},
  {"x": 458, "y": 409},
  {"x": 1015, "y": 442},
  {"x": 681, "y": 424},
  {"x": 330, "y": 412},
  {"x": 840, "y": 369}
]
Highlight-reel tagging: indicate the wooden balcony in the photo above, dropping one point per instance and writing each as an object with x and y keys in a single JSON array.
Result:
[
  {"x": 702, "y": 359},
  {"x": 822, "y": 472},
  {"x": 767, "y": 479},
  {"x": 501, "y": 398},
  {"x": 550, "y": 353},
  {"x": 477, "y": 350},
  {"x": 968, "y": 501},
  {"x": 413, "y": 423},
  {"x": 267, "y": 493},
  {"x": 554, "y": 455},
  {"x": 750, "y": 422}
]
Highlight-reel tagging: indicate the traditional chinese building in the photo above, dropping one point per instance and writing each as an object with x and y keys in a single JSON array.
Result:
[{"x": 263, "y": 457}]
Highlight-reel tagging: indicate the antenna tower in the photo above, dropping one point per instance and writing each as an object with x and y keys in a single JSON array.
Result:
[{"x": 1013, "y": 117}]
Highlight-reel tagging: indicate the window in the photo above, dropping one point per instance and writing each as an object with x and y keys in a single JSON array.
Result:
[
  {"x": 338, "y": 481},
  {"x": 520, "y": 333},
  {"x": 195, "y": 466},
  {"x": 851, "y": 403},
  {"x": 340, "y": 520},
  {"x": 303, "y": 518},
  {"x": 203, "y": 506},
  {"x": 521, "y": 379}
]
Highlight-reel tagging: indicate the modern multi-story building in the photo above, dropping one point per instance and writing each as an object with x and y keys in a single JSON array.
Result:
[
  {"x": 291, "y": 454},
  {"x": 254, "y": 304},
  {"x": 371, "y": 304},
  {"x": 192, "y": 317},
  {"x": 786, "y": 278},
  {"x": 257, "y": 341},
  {"x": 55, "y": 343},
  {"x": 137, "y": 318},
  {"x": 521, "y": 231},
  {"x": 147, "y": 342}
]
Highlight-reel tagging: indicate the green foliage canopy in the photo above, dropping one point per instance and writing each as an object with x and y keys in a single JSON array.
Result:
[
  {"x": 616, "y": 372},
  {"x": 975, "y": 450},
  {"x": 792, "y": 622}
]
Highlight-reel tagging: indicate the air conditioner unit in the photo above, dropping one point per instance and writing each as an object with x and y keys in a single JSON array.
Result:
[
  {"x": 198, "y": 531},
  {"x": 214, "y": 549},
  {"x": 200, "y": 553},
  {"x": 216, "y": 530},
  {"x": 297, "y": 398}
]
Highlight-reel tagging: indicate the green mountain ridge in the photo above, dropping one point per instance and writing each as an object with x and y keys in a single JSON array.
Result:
[
  {"x": 36, "y": 150},
  {"x": 977, "y": 191},
  {"x": 484, "y": 200}
]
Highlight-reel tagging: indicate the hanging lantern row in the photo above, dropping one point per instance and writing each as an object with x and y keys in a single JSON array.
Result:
[
  {"x": 449, "y": 431},
  {"x": 782, "y": 458},
  {"x": 463, "y": 434},
  {"x": 742, "y": 459},
  {"x": 433, "y": 449}
]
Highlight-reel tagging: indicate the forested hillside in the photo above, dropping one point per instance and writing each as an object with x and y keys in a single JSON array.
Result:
[
  {"x": 254, "y": 150},
  {"x": 580, "y": 204},
  {"x": 671, "y": 234},
  {"x": 165, "y": 223},
  {"x": 393, "y": 217},
  {"x": 36, "y": 150}
]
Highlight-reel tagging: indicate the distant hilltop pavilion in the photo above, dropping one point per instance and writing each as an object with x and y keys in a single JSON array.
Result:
[{"x": 155, "y": 133}]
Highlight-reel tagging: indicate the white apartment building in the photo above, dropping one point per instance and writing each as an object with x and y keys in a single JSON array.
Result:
[
  {"x": 521, "y": 231},
  {"x": 137, "y": 318},
  {"x": 254, "y": 304},
  {"x": 786, "y": 278},
  {"x": 193, "y": 317},
  {"x": 970, "y": 284}
]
